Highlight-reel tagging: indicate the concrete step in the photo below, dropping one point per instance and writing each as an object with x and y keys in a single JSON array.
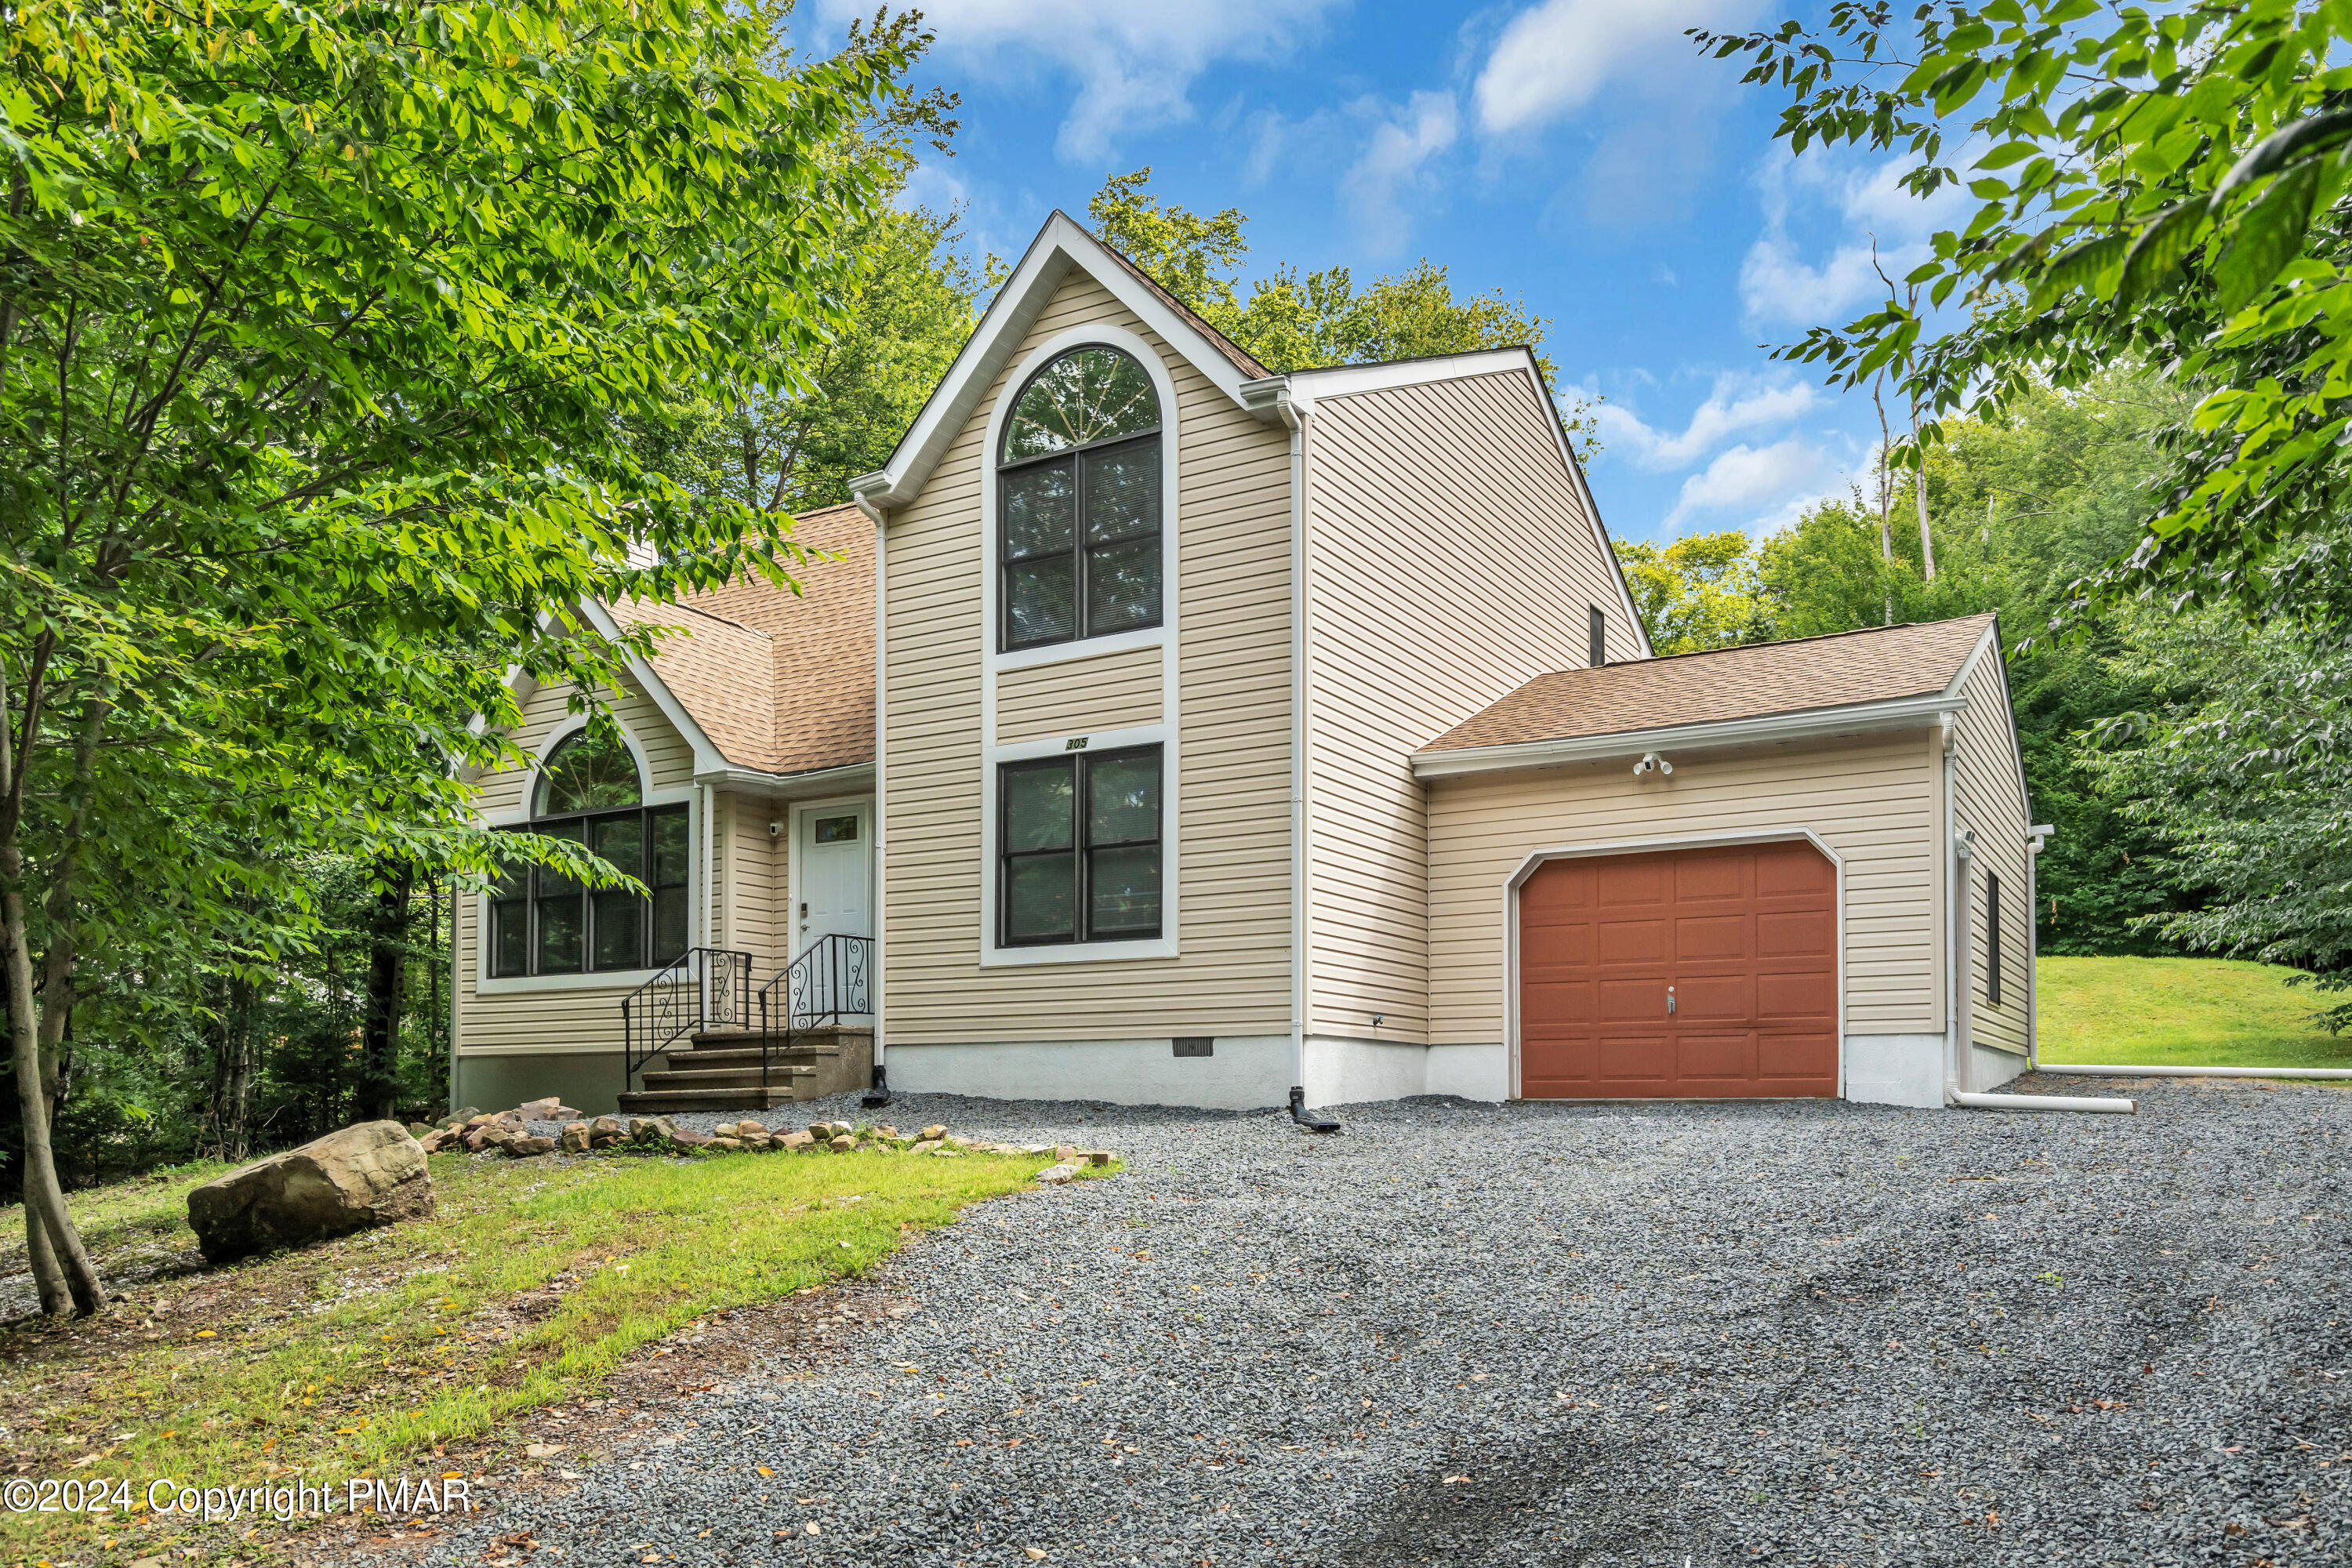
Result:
[
  {"x": 663, "y": 1102},
  {"x": 729, "y": 1057},
  {"x": 780, "y": 1074},
  {"x": 828, "y": 1040}
]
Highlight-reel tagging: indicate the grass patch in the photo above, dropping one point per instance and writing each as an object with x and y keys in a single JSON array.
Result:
[
  {"x": 530, "y": 1282},
  {"x": 2181, "y": 1012}
]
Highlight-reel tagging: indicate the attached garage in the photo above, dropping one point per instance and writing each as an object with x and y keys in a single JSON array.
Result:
[
  {"x": 1680, "y": 973},
  {"x": 1771, "y": 871}
]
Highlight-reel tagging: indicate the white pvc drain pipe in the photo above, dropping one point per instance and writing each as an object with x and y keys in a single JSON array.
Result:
[
  {"x": 2046, "y": 1102},
  {"x": 2082, "y": 1070}
]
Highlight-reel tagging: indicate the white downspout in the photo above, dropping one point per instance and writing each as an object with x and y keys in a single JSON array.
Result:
[
  {"x": 1958, "y": 964},
  {"x": 2041, "y": 836},
  {"x": 1296, "y": 423},
  {"x": 881, "y": 831}
]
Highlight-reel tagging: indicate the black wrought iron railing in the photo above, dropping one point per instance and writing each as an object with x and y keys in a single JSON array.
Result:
[
  {"x": 704, "y": 988},
  {"x": 831, "y": 980}
]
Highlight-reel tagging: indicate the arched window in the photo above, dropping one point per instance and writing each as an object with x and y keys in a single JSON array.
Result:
[
  {"x": 1078, "y": 502},
  {"x": 542, "y": 923}
]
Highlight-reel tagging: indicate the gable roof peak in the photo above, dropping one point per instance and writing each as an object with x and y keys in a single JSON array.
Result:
[{"x": 1062, "y": 246}]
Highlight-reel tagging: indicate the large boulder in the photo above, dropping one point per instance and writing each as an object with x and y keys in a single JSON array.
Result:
[{"x": 366, "y": 1175}]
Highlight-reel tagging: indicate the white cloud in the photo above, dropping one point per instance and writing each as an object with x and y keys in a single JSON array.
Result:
[
  {"x": 1552, "y": 60},
  {"x": 1747, "y": 478},
  {"x": 1135, "y": 60},
  {"x": 1395, "y": 161},
  {"x": 1865, "y": 205},
  {"x": 1737, "y": 403}
]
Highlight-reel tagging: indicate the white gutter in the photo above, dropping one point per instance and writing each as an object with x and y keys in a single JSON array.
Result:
[
  {"x": 1854, "y": 717},
  {"x": 1957, "y": 965},
  {"x": 786, "y": 787}
]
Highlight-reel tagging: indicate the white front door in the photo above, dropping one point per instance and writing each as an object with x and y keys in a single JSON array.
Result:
[{"x": 832, "y": 873}]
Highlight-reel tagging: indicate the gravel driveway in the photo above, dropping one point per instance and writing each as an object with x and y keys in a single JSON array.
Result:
[{"x": 1718, "y": 1334}]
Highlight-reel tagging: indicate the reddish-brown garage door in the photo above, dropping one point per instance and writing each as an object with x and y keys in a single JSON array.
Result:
[{"x": 1690, "y": 972}]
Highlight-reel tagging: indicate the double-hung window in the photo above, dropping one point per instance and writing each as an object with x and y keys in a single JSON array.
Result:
[
  {"x": 543, "y": 922},
  {"x": 1079, "y": 847},
  {"x": 1078, "y": 488}
]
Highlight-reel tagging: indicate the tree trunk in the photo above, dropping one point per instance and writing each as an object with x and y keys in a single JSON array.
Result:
[
  {"x": 1886, "y": 501},
  {"x": 233, "y": 1071},
  {"x": 435, "y": 1019},
  {"x": 380, "y": 1020},
  {"x": 36, "y": 1028},
  {"x": 1919, "y": 490}
]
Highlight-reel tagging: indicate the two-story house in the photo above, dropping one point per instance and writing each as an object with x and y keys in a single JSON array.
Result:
[{"x": 1162, "y": 728}]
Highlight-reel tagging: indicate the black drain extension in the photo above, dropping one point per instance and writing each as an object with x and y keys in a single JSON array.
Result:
[{"x": 1313, "y": 1121}]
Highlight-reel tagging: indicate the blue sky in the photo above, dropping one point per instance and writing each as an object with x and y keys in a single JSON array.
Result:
[{"x": 1576, "y": 153}]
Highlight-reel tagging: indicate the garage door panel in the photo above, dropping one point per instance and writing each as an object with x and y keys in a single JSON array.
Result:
[
  {"x": 1789, "y": 934},
  {"x": 1626, "y": 1058},
  {"x": 1702, "y": 999},
  {"x": 1567, "y": 946},
  {"x": 1745, "y": 937},
  {"x": 1801, "y": 995},
  {"x": 1721, "y": 1056},
  {"x": 1558, "y": 1003},
  {"x": 1798, "y": 869},
  {"x": 1701, "y": 878},
  {"x": 1630, "y": 881},
  {"x": 1811, "y": 1057},
  {"x": 1633, "y": 942},
  {"x": 1641, "y": 1001},
  {"x": 1562, "y": 889},
  {"x": 1705, "y": 937}
]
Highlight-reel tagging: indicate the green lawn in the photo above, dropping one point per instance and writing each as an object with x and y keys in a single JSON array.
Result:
[
  {"x": 2181, "y": 1012},
  {"x": 530, "y": 1284}
]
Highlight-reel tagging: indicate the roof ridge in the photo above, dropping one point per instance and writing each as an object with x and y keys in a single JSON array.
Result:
[
  {"x": 722, "y": 620},
  {"x": 1792, "y": 642}
]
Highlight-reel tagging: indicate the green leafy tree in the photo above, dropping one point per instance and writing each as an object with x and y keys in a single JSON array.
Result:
[
  {"x": 2155, "y": 186},
  {"x": 2024, "y": 501},
  {"x": 317, "y": 333},
  {"x": 1287, "y": 321},
  {"x": 1697, "y": 593},
  {"x": 2236, "y": 763}
]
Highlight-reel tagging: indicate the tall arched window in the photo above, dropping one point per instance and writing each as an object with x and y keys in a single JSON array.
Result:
[
  {"x": 542, "y": 923},
  {"x": 1078, "y": 502}
]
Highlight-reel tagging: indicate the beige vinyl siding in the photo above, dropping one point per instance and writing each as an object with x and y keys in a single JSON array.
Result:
[
  {"x": 752, "y": 885},
  {"x": 1233, "y": 681},
  {"x": 1450, "y": 559},
  {"x": 1078, "y": 697},
  {"x": 670, "y": 756},
  {"x": 1871, "y": 798},
  {"x": 588, "y": 1019},
  {"x": 1988, "y": 799}
]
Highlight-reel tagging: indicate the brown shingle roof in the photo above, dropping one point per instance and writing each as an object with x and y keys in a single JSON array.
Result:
[
  {"x": 781, "y": 683},
  {"x": 1753, "y": 682}
]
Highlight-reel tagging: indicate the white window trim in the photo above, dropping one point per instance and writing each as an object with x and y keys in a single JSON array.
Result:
[
  {"x": 687, "y": 795},
  {"x": 1164, "y": 636},
  {"x": 1537, "y": 860}
]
